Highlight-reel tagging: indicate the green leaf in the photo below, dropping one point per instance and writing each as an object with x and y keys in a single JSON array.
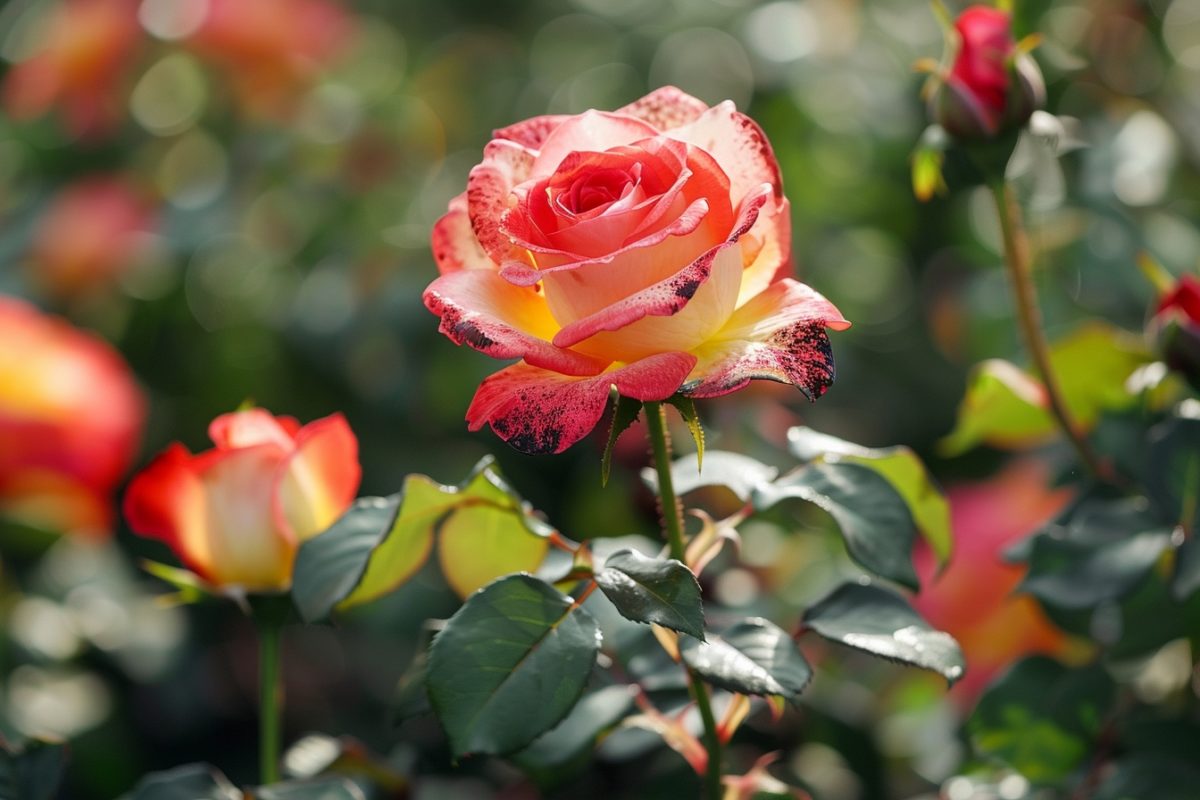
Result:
[
  {"x": 1149, "y": 775},
  {"x": 873, "y": 517},
  {"x": 625, "y": 413},
  {"x": 1103, "y": 553},
  {"x": 901, "y": 467},
  {"x": 736, "y": 472},
  {"x": 687, "y": 409},
  {"x": 510, "y": 665},
  {"x": 1173, "y": 470},
  {"x": 190, "y": 587},
  {"x": 190, "y": 782},
  {"x": 381, "y": 542},
  {"x": 1005, "y": 407},
  {"x": 329, "y": 788},
  {"x": 31, "y": 770},
  {"x": 658, "y": 590},
  {"x": 1040, "y": 718},
  {"x": 593, "y": 716},
  {"x": 1186, "y": 578},
  {"x": 880, "y": 622},
  {"x": 752, "y": 657}
]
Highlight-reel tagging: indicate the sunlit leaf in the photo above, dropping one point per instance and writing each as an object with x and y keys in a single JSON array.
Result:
[
  {"x": 874, "y": 519},
  {"x": 509, "y": 665},
  {"x": 658, "y": 590},
  {"x": 902, "y": 469},
  {"x": 190, "y": 782},
  {"x": 736, "y": 472},
  {"x": 478, "y": 544},
  {"x": 880, "y": 622},
  {"x": 752, "y": 657}
]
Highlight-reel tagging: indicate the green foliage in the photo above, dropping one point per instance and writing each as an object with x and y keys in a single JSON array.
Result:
[
  {"x": 657, "y": 590},
  {"x": 189, "y": 782},
  {"x": 625, "y": 413},
  {"x": 1186, "y": 578},
  {"x": 880, "y": 622},
  {"x": 31, "y": 770},
  {"x": 1149, "y": 775},
  {"x": 1041, "y": 717},
  {"x": 329, "y": 788},
  {"x": 1173, "y": 470},
  {"x": 596, "y": 713},
  {"x": 509, "y": 665},
  {"x": 486, "y": 531},
  {"x": 753, "y": 656},
  {"x": 687, "y": 409},
  {"x": 738, "y": 473},
  {"x": 874, "y": 519}
]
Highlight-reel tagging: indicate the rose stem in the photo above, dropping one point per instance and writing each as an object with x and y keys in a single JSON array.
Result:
[
  {"x": 660, "y": 442},
  {"x": 1016, "y": 256},
  {"x": 270, "y": 698}
]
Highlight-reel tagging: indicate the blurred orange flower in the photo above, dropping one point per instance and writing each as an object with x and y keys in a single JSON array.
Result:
[
  {"x": 70, "y": 420},
  {"x": 77, "y": 66},
  {"x": 271, "y": 49},
  {"x": 236, "y": 514},
  {"x": 92, "y": 231},
  {"x": 972, "y": 599}
]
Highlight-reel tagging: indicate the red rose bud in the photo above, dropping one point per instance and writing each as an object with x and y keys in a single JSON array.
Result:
[
  {"x": 1176, "y": 329},
  {"x": 992, "y": 87}
]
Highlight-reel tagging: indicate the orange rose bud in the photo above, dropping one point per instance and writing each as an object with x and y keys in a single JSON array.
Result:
[
  {"x": 992, "y": 88},
  {"x": 1175, "y": 328},
  {"x": 71, "y": 417},
  {"x": 236, "y": 514}
]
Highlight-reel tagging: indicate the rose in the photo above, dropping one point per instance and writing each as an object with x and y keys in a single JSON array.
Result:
[
  {"x": 236, "y": 514},
  {"x": 992, "y": 88},
  {"x": 644, "y": 249},
  {"x": 71, "y": 416},
  {"x": 1175, "y": 327}
]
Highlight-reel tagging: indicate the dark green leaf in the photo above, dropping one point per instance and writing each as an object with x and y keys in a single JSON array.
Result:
[
  {"x": 752, "y": 657},
  {"x": 625, "y": 413},
  {"x": 658, "y": 590},
  {"x": 1103, "y": 553},
  {"x": 510, "y": 665},
  {"x": 687, "y": 409},
  {"x": 32, "y": 770},
  {"x": 873, "y": 517},
  {"x": 1041, "y": 718},
  {"x": 1186, "y": 578},
  {"x": 331, "y": 788},
  {"x": 190, "y": 782},
  {"x": 880, "y": 622},
  {"x": 594, "y": 715},
  {"x": 1173, "y": 470},
  {"x": 411, "y": 699},
  {"x": 902, "y": 469},
  {"x": 1149, "y": 776},
  {"x": 738, "y": 473}
]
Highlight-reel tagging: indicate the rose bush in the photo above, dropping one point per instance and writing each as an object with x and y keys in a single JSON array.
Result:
[
  {"x": 236, "y": 514},
  {"x": 646, "y": 249}
]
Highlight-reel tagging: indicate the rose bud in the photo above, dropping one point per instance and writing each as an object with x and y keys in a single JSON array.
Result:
[
  {"x": 992, "y": 87},
  {"x": 1175, "y": 328},
  {"x": 71, "y": 417},
  {"x": 236, "y": 514},
  {"x": 646, "y": 249}
]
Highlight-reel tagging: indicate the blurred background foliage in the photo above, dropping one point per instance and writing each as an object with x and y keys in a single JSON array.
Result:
[{"x": 238, "y": 197}]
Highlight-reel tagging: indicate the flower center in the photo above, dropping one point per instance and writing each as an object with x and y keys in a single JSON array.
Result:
[{"x": 596, "y": 189}]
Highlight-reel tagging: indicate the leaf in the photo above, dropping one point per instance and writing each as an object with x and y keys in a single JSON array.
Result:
[
  {"x": 658, "y": 590},
  {"x": 687, "y": 409},
  {"x": 873, "y": 517},
  {"x": 1040, "y": 718},
  {"x": 190, "y": 587},
  {"x": 1173, "y": 470},
  {"x": 1186, "y": 578},
  {"x": 593, "y": 716},
  {"x": 902, "y": 469},
  {"x": 32, "y": 770},
  {"x": 752, "y": 657},
  {"x": 1006, "y": 407},
  {"x": 880, "y": 622},
  {"x": 736, "y": 472},
  {"x": 190, "y": 782},
  {"x": 509, "y": 665},
  {"x": 330, "y": 788},
  {"x": 1103, "y": 553},
  {"x": 1150, "y": 775},
  {"x": 381, "y": 542},
  {"x": 625, "y": 413}
]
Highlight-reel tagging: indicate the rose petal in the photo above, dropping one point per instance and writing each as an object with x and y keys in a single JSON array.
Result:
[
  {"x": 320, "y": 478},
  {"x": 739, "y": 145},
  {"x": 165, "y": 501},
  {"x": 489, "y": 185},
  {"x": 779, "y": 335},
  {"x": 453, "y": 241},
  {"x": 768, "y": 246},
  {"x": 491, "y": 315},
  {"x": 665, "y": 108},
  {"x": 251, "y": 427},
  {"x": 538, "y": 411},
  {"x": 594, "y": 131},
  {"x": 531, "y": 132}
]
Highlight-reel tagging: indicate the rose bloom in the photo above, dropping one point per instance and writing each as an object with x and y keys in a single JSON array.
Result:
[
  {"x": 78, "y": 66},
  {"x": 646, "y": 249},
  {"x": 991, "y": 88},
  {"x": 71, "y": 418},
  {"x": 972, "y": 599},
  {"x": 1175, "y": 327},
  {"x": 92, "y": 232},
  {"x": 271, "y": 49},
  {"x": 235, "y": 514}
]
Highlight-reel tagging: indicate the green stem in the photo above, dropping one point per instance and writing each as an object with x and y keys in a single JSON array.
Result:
[
  {"x": 1016, "y": 257},
  {"x": 660, "y": 443},
  {"x": 270, "y": 699}
]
